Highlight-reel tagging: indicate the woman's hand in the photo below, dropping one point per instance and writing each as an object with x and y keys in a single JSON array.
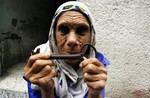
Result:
[
  {"x": 95, "y": 76},
  {"x": 39, "y": 71}
]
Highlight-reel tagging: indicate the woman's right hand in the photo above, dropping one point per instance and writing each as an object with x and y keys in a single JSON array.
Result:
[{"x": 39, "y": 71}]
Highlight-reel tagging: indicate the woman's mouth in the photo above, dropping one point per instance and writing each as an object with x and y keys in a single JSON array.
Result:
[{"x": 72, "y": 52}]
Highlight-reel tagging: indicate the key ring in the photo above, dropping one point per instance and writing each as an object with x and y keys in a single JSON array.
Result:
[{"x": 87, "y": 44}]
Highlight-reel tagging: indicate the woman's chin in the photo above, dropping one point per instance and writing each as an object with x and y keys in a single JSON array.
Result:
[{"x": 72, "y": 62}]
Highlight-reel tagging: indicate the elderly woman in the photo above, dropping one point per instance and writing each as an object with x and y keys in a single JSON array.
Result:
[{"x": 72, "y": 26}]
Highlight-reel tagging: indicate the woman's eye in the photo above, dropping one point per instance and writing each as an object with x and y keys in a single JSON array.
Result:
[
  {"x": 64, "y": 29},
  {"x": 81, "y": 30}
]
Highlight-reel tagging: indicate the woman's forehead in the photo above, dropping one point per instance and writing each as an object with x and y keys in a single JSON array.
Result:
[{"x": 72, "y": 17}]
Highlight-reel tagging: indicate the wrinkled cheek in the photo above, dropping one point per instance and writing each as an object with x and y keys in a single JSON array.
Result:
[
  {"x": 60, "y": 48},
  {"x": 87, "y": 39},
  {"x": 60, "y": 44}
]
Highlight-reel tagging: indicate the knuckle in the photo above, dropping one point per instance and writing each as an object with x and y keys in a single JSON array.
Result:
[
  {"x": 54, "y": 72},
  {"x": 101, "y": 84},
  {"x": 90, "y": 67},
  {"x": 103, "y": 70},
  {"x": 106, "y": 71},
  {"x": 31, "y": 58},
  {"x": 32, "y": 80},
  {"x": 37, "y": 62},
  {"x": 44, "y": 81},
  {"x": 85, "y": 75},
  {"x": 48, "y": 68},
  {"x": 95, "y": 86},
  {"x": 94, "y": 59},
  {"x": 106, "y": 78},
  {"x": 27, "y": 76}
]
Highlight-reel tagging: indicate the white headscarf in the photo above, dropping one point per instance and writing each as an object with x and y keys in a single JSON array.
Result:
[{"x": 74, "y": 87}]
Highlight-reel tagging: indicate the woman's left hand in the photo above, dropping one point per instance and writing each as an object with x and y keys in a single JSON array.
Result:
[{"x": 95, "y": 75}]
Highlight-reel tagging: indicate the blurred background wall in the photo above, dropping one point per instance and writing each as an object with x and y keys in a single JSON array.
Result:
[
  {"x": 123, "y": 35},
  {"x": 24, "y": 24}
]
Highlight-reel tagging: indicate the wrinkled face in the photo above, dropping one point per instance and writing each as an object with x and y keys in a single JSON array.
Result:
[{"x": 72, "y": 31}]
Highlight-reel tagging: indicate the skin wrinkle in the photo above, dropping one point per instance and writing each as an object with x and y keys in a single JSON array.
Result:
[
  {"x": 71, "y": 41},
  {"x": 73, "y": 20}
]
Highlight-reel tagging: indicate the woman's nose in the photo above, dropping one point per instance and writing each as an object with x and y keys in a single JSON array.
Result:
[{"x": 72, "y": 39}]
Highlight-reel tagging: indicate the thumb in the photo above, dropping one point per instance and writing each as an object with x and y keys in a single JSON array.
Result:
[{"x": 84, "y": 58}]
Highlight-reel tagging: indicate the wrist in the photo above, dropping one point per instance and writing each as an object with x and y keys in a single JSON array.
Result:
[
  {"x": 47, "y": 93},
  {"x": 94, "y": 95}
]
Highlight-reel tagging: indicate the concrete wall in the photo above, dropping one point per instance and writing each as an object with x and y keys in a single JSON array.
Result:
[
  {"x": 123, "y": 35},
  {"x": 24, "y": 24}
]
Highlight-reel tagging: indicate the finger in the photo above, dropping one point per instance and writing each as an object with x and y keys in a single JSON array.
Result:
[
  {"x": 47, "y": 70},
  {"x": 94, "y": 61},
  {"x": 84, "y": 58},
  {"x": 39, "y": 64},
  {"x": 92, "y": 69},
  {"x": 29, "y": 72},
  {"x": 92, "y": 78},
  {"x": 47, "y": 79},
  {"x": 97, "y": 85},
  {"x": 35, "y": 57}
]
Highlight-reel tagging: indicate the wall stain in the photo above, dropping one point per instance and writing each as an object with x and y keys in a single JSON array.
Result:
[
  {"x": 139, "y": 93},
  {"x": 14, "y": 22}
]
